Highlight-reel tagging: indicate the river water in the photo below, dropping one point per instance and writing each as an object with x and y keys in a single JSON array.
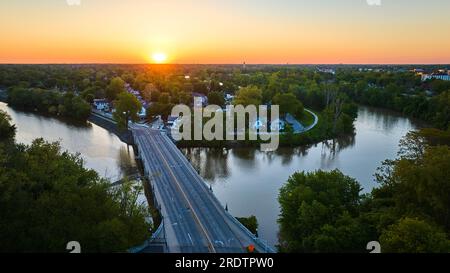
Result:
[
  {"x": 246, "y": 180},
  {"x": 102, "y": 151}
]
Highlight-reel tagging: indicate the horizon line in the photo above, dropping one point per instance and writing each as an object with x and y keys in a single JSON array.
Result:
[{"x": 251, "y": 64}]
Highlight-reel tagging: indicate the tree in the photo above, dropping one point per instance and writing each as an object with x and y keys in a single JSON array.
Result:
[
  {"x": 7, "y": 130},
  {"x": 414, "y": 236},
  {"x": 127, "y": 108},
  {"x": 184, "y": 98},
  {"x": 288, "y": 103},
  {"x": 251, "y": 223},
  {"x": 151, "y": 93},
  {"x": 319, "y": 213},
  {"x": 442, "y": 117},
  {"x": 115, "y": 87},
  {"x": 164, "y": 98},
  {"x": 216, "y": 98},
  {"x": 48, "y": 199},
  {"x": 418, "y": 180},
  {"x": 163, "y": 109},
  {"x": 250, "y": 95}
]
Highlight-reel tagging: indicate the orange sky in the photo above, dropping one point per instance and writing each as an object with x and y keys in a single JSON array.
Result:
[{"x": 232, "y": 31}]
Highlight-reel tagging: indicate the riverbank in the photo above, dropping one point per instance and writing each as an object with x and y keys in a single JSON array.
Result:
[
  {"x": 249, "y": 180},
  {"x": 111, "y": 126},
  {"x": 3, "y": 96}
]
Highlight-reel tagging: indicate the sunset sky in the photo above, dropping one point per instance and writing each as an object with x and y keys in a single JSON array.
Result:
[{"x": 225, "y": 31}]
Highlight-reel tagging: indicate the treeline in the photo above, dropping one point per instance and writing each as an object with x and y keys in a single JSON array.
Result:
[
  {"x": 409, "y": 212},
  {"x": 48, "y": 198},
  {"x": 50, "y": 102},
  {"x": 402, "y": 92}
]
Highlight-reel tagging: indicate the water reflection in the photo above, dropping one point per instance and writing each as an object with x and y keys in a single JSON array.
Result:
[
  {"x": 212, "y": 164},
  {"x": 101, "y": 150},
  {"x": 331, "y": 149},
  {"x": 126, "y": 161},
  {"x": 249, "y": 180},
  {"x": 246, "y": 179}
]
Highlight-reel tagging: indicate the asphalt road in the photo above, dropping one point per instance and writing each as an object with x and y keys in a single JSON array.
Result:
[{"x": 194, "y": 220}]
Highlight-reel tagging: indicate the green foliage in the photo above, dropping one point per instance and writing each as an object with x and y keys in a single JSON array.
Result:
[
  {"x": 216, "y": 98},
  {"x": 418, "y": 180},
  {"x": 7, "y": 130},
  {"x": 319, "y": 213},
  {"x": 250, "y": 95},
  {"x": 151, "y": 93},
  {"x": 288, "y": 103},
  {"x": 402, "y": 92},
  {"x": 115, "y": 87},
  {"x": 127, "y": 108},
  {"x": 163, "y": 109},
  {"x": 414, "y": 236},
  {"x": 50, "y": 102},
  {"x": 48, "y": 199},
  {"x": 251, "y": 223},
  {"x": 409, "y": 212}
]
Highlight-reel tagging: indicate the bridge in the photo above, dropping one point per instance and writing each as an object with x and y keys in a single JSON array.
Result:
[{"x": 194, "y": 221}]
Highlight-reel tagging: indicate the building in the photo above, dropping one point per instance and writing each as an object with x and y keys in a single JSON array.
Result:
[
  {"x": 260, "y": 124},
  {"x": 277, "y": 125},
  {"x": 143, "y": 113},
  {"x": 171, "y": 120},
  {"x": 443, "y": 77},
  {"x": 229, "y": 98},
  {"x": 101, "y": 105},
  {"x": 327, "y": 70},
  {"x": 203, "y": 99}
]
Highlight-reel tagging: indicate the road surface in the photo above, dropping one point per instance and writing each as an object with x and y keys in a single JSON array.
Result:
[{"x": 194, "y": 220}]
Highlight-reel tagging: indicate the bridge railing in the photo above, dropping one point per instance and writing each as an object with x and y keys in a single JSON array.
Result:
[
  {"x": 262, "y": 243},
  {"x": 155, "y": 236},
  {"x": 259, "y": 242}
]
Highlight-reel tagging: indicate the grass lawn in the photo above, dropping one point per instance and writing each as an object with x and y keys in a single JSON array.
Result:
[{"x": 306, "y": 119}]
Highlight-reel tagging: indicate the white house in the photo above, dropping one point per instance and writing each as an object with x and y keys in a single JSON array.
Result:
[
  {"x": 202, "y": 97},
  {"x": 228, "y": 97},
  {"x": 259, "y": 124},
  {"x": 444, "y": 77},
  {"x": 101, "y": 104},
  {"x": 277, "y": 125},
  {"x": 143, "y": 113}
]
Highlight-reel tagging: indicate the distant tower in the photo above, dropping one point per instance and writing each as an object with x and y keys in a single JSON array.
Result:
[{"x": 244, "y": 66}]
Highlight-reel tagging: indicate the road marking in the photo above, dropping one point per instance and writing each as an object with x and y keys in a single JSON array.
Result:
[
  {"x": 210, "y": 244},
  {"x": 190, "y": 238},
  {"x": 210, "y": 196}
]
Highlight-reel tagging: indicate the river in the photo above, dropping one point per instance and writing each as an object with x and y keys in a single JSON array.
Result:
[
  {"x": 101, "y": 150},
  {"x": 246, "y": 180}
]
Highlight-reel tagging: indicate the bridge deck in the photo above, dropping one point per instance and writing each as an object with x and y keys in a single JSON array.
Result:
[{"x": 194, "y": 220}]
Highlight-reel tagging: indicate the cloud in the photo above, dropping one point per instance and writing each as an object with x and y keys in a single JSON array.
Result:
[
  {"x": 73, "y": 2},
  {"x": 373, "y": 2}
]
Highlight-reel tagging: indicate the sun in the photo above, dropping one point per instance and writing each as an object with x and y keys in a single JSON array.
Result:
[{"x": 159, "y": 57}]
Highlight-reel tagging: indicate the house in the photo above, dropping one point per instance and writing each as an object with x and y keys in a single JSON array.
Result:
[
  {"x": 171, "y": 120},
  {"x": 143, "y": 113},
  {"x": 277, "y": 125},
  {"x": 443, "y": 77},
  {"x": 203, "y": 99},
  {"x": 101, "y": 105},
  {"x": 327, "y": 70},
  {"x": 229, "y": 98},
  {"x": 259, "y": 124}
]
